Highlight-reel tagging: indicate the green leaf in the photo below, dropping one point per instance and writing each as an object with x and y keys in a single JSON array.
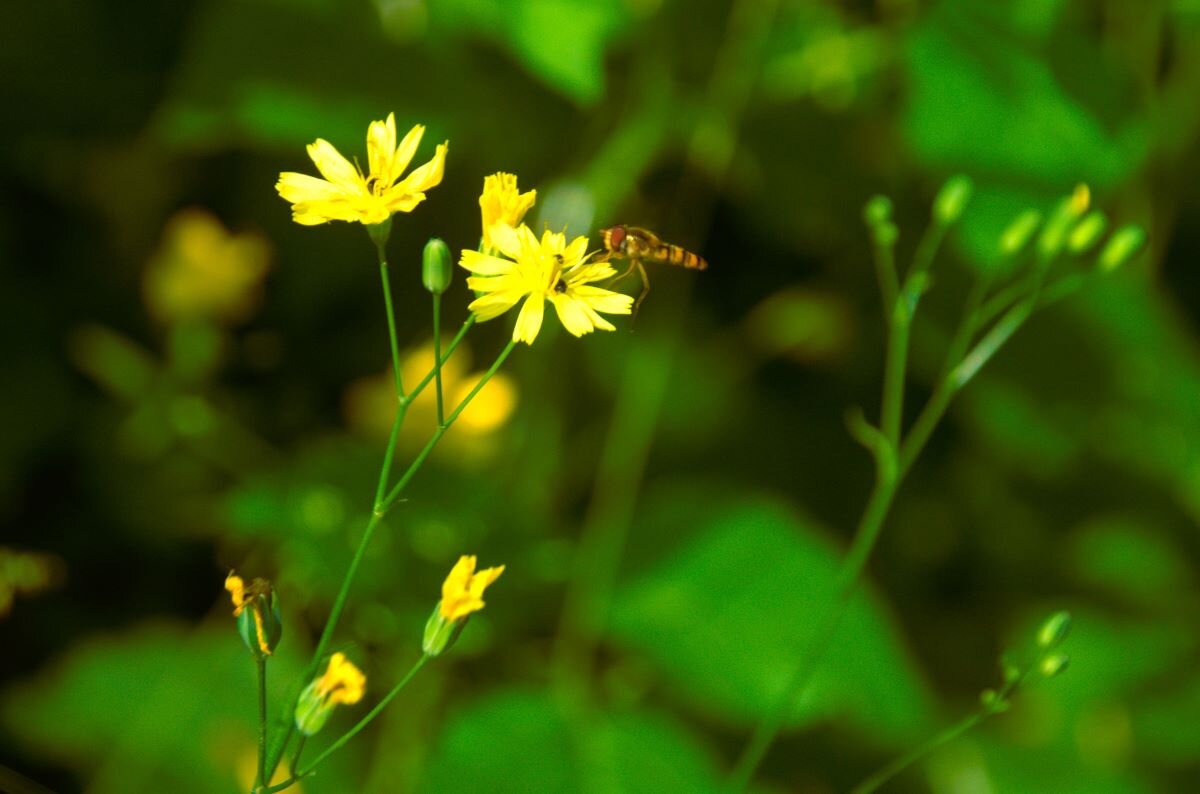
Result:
[
  {"x": 520, "y": 741},
  {"x": 157, "y": 709},
  {"x": 728, "y": 618},
  {"x": 1101, "y": 550}
]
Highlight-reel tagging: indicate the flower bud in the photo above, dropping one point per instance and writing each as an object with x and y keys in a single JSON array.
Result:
[
  {"x": 462, "y": 595},
  {"x": 952, "y": 199},
  {"x": 1017, "y": 235},
  {"x": 440, "y": 633},
  {"x": 341, "y": 683},
  {"x": 1087, "y": 232},
  {"x": 877, "y": 211},
  {"x": 1054, "y": 630},
  {"x": 1124, "y": 243},
  {"x": 436, "y": 269},
  {"x": 1053, "y": 665},
  {"x": 257, "y": 611},
  {"x": 1061, "y": 221}
]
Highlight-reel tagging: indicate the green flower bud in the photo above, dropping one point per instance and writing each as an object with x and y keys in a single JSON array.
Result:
[
  {"x": 1061, "y": 221},
  {"x": 1017, "y": 235},
  {"x": 440, "y": 633},
  {"x": 1054, "y": 630},
  {"x": 257, "y": 611},
  {"x": 952, "y": 199},
  {"x": 342, "y": 683},
  {"x": 1087, "y": 232},
  {"x": 877, "y": 211},
  {"x": 436, "y": 269},
  {"x": 1124, "y": 243},
  {"x": 1053, "y": 665}
]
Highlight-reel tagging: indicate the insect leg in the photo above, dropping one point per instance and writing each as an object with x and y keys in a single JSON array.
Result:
[{"x": 637, "y": 304}]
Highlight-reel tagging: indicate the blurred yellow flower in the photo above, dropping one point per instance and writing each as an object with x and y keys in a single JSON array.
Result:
[
  {"x": 342, "y": 683},
  {"x": 201, "y": 271},
  {"x": 540, "y": 271},
  {"x": 27, "y": 573},
  {"x": 501, "y": 202},
  {"x": 346, "y": 194},
  {"x": 369, "y": 404},
  {"x": 462, "y": 592}
]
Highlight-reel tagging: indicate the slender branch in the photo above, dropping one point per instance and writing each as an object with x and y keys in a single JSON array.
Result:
[
  {"x": 296, "y": 757},
  {"x": 261, "y": 663},
  {"x": 391, "y": 317},
  {"x": 903, "y": 762},
  {"x": 394, "y": 494},
  {"x": 437, "y": 352}
]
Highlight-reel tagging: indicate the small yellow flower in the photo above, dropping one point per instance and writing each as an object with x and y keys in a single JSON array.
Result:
[
  {"x": 260, "y": 598},
  {"x": 501, "y": 202},
  {"x": 346, "y": 194},
  {"x": 540, "y": 271},
  {"x": 342, "y": 683},
  {"x": 462, "y": 592}
]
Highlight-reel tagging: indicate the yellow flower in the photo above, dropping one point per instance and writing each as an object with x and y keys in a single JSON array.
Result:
[
  {"x": 201, "y": 271},
  {"x": 501, "y": 202},
  {"x": 342, "y": 682},
  {"x": 540, "y": 271},
  {"x": 261, "y": 627},
  {"x": 462, "y": 592},
  {"x": 345, "y": 194}
]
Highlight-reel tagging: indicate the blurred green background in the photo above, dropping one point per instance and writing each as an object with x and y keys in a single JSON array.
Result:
[{"x": 193, "y": 383}]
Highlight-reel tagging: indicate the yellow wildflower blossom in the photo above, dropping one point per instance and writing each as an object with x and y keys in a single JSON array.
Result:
[
  {"x": 346, "y": 194},
  {"x": 462, "y": 592},
  {"x": 538, "y": 271},
  {"x": 502, "y": 202},
  {"x": 342, "y": 683}
]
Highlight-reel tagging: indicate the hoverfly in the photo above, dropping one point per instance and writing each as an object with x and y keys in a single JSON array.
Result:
[{"x": 638, "y": 246}]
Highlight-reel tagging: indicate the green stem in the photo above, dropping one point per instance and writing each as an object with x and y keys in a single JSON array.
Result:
[
  {"x": 391, "y": 318},
  {"x": 394, "y": 494},
  {"x": 262, "y": 718},
  {"x": 296, "y": 757},
  {"x": 903, "y": 762},
  {"x": 894, "y": 371},
  {"x": 372, "y": 714},
  {"x": 885, "y": 272},
  {"x": 275, "y": 754},
  {"x": 437, "y": 352}
]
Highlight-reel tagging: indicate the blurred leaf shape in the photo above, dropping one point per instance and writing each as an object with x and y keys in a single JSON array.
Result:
[
  {"x": 201, "y": 271},
  {"x": 728, "y": 618},
  {"x": 563, "y": 42},
  {"x": 521, "y": 741},
  {"x": 804, "y": 324},
  {"x": 1102, "y": 551},
  {"x": 159, "y": 708},
  {"x": 991, "y": 94}
]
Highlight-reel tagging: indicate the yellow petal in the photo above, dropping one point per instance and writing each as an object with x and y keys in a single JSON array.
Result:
[
  {"x": 571, "y": 314},
  {"x": 492, "y": 305},
  {"x": 485, "y": 265},
  {"x": 301, "y": 187},
  {"x": 334, "y": 167},
  {"x": 529, "y": 321},
  {"x": 381, "y": 148},
  {"x": 429, "y": 175},
  {"x": 459, "y": 577},
  {"x": 603, "y": 300},
  {"x": 406, "y": 150},
  {"x": 574, "y": 252},
  {"x": 506, "y": 239}
]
